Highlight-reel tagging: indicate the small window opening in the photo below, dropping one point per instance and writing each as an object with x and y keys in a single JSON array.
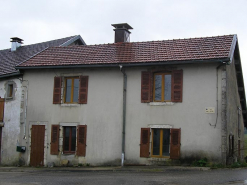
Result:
[
  {"x": 10, "y": 91},
  {"x": 231, "y": 145}
]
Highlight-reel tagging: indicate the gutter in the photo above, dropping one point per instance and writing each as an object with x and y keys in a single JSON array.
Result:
[
  {"x": 10, "y": 75},
  {"x": 225, "y": 60},
  {"x": 124, "y": 112}
]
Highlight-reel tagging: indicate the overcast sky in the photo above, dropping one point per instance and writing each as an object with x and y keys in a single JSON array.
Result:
[{"x": 38, "y": 21}]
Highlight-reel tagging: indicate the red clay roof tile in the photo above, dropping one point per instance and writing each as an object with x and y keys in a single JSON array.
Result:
[{"x": 135, "y": 52}]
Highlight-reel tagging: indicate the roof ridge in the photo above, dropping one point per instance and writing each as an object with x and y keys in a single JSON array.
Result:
[
  {"x": 32, "y": 56},
  {"x": 51, "y": 41},
  {"x": 74, "y": 46}
]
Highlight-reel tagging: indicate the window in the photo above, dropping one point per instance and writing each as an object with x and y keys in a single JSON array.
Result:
[
  {"x": 74, "y": 139},
  {"x": 10, "y": 91},
  {"x": 164, "y": 142},
  {"x": 71, "y": 90},
  {"x": 75, "y": 90},
  {"x": 69, "y": 139},
  {"x": 162, "y": 86},
  {"x": 160, "y": 142}
]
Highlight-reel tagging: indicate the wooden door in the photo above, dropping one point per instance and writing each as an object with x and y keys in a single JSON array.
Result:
[
  {"x": 37, "y": 145},
  {"x": 0, "y": 143}
]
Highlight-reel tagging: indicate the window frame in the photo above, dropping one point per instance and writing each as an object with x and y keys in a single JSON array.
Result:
[
  {"x": 161, "y": 143},
  {"x": 162, "y": 87},
  {"x": 72, "y": 90},
  {"x": 70, "y": 140}
]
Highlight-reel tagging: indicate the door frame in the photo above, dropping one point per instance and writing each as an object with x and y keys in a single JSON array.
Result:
[{"x": 46, "y": 144}]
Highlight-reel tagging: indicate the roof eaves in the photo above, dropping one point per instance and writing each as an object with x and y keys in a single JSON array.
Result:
[
  {"x": 70, "y": 41},
  {"x": 10, "y": 75},
  {"x": 223, "y": 60}
]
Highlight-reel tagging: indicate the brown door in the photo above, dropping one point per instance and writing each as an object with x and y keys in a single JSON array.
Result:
[
  {"x": 0, "y": 143},
  {"x": 37, "y": 145}
]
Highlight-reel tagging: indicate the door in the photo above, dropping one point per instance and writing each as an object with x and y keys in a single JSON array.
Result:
[
  {"x": 37, "y": 145},
  {"x": 0, "y": 143}
]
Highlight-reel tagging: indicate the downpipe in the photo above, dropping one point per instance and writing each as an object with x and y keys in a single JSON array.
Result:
[{"x": 124, "y": 112}]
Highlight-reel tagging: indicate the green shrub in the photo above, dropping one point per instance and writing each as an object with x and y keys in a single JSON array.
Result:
[{"x": 202, "y": 162}]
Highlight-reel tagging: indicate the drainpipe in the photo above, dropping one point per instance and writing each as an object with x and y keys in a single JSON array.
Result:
[
  {"x": 25, "y": 108},
  {"x": 124, "y": 112},
  {"x": 217, "y": 100}
]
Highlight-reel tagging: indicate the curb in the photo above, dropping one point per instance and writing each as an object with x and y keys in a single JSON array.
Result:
[{"x": 104, "y": 169}]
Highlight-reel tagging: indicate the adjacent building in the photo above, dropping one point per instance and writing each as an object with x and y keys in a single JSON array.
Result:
[{"x": 14, "y": 94}]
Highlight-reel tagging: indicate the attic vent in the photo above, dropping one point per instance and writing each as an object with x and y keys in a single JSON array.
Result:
[
  {"x": 16, "y": 43},
  {"x": 122, "y": 33}
]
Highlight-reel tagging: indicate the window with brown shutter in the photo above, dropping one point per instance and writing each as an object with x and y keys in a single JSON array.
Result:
[
  {"x": 144, "y": 145},
  {"x": 83, "y": 89},
  {"x": 175, "y": 143},
  {"x": 81, "y": 140},
  {"x": 57, "y": 90},
  {"x": 1, "y": 109},
  {"x": 75, "y": 90},
  {"x": 145, "y": 86},
  {"x": 177, "y": 85},
  {"x": 162, "y": 86},
  {"x": 54, "y": 139}
]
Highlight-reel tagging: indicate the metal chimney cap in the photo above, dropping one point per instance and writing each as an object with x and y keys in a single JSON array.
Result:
[
  {"x": 122, "y": 25},
  {"x": 16, "y": 39}
]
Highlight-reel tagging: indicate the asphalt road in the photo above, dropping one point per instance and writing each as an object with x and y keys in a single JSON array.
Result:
[{"x": 147, "y": 177}]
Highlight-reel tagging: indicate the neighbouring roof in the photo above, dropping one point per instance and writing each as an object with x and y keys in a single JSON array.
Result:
[
  {"x": 179, "y": 50},
  {"x": 8, "y": 59}
]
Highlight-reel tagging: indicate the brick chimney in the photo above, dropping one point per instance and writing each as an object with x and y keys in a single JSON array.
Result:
[
  {"x": 122, "y": 33},
  {"x": 16, "y": 43}
]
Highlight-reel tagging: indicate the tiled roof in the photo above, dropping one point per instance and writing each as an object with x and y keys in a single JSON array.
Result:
[
  {"x": 206, "y": 48},
  {"x": 8, "y": 59}
]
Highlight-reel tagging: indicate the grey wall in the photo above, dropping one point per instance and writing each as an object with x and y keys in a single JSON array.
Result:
[
  {"x": 233, "y": 116},
  {"x": 11, "y": 123},
  {"x": 103, "y": 114}
]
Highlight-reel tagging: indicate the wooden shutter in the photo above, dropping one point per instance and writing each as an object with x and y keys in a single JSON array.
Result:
[
  {"x": 83, "y": 89},
  {"x": 1, "y": 109},
  {"x": 57, "y": 90},
  {"x": 145, "y": 86},
  {"x": 54, "y": 139},
  {"x": 145, "y": 138},
  {"x": 81, "y": 140},
  {"x": 175, "y": 143},
  {"x": 177, "y": 85}
]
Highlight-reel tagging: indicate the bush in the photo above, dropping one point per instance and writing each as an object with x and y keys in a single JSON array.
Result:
[
  {"x": 238, "y": 165},
  {"x": 202, "y": 162}
]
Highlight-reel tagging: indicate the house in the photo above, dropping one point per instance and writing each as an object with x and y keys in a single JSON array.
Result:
[
  {"x": 13, "y": 94},
  {"x": 135, "y": 102}
]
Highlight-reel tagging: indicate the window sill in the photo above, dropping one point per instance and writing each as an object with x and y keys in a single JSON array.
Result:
[
  {"x": 158, "y": 158},
  {"x": 69, "y": 105},
  {"x": 161, "y": 103},
  {"x": 9, "y": 98},
  {"x": 67, "y": 153}
]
